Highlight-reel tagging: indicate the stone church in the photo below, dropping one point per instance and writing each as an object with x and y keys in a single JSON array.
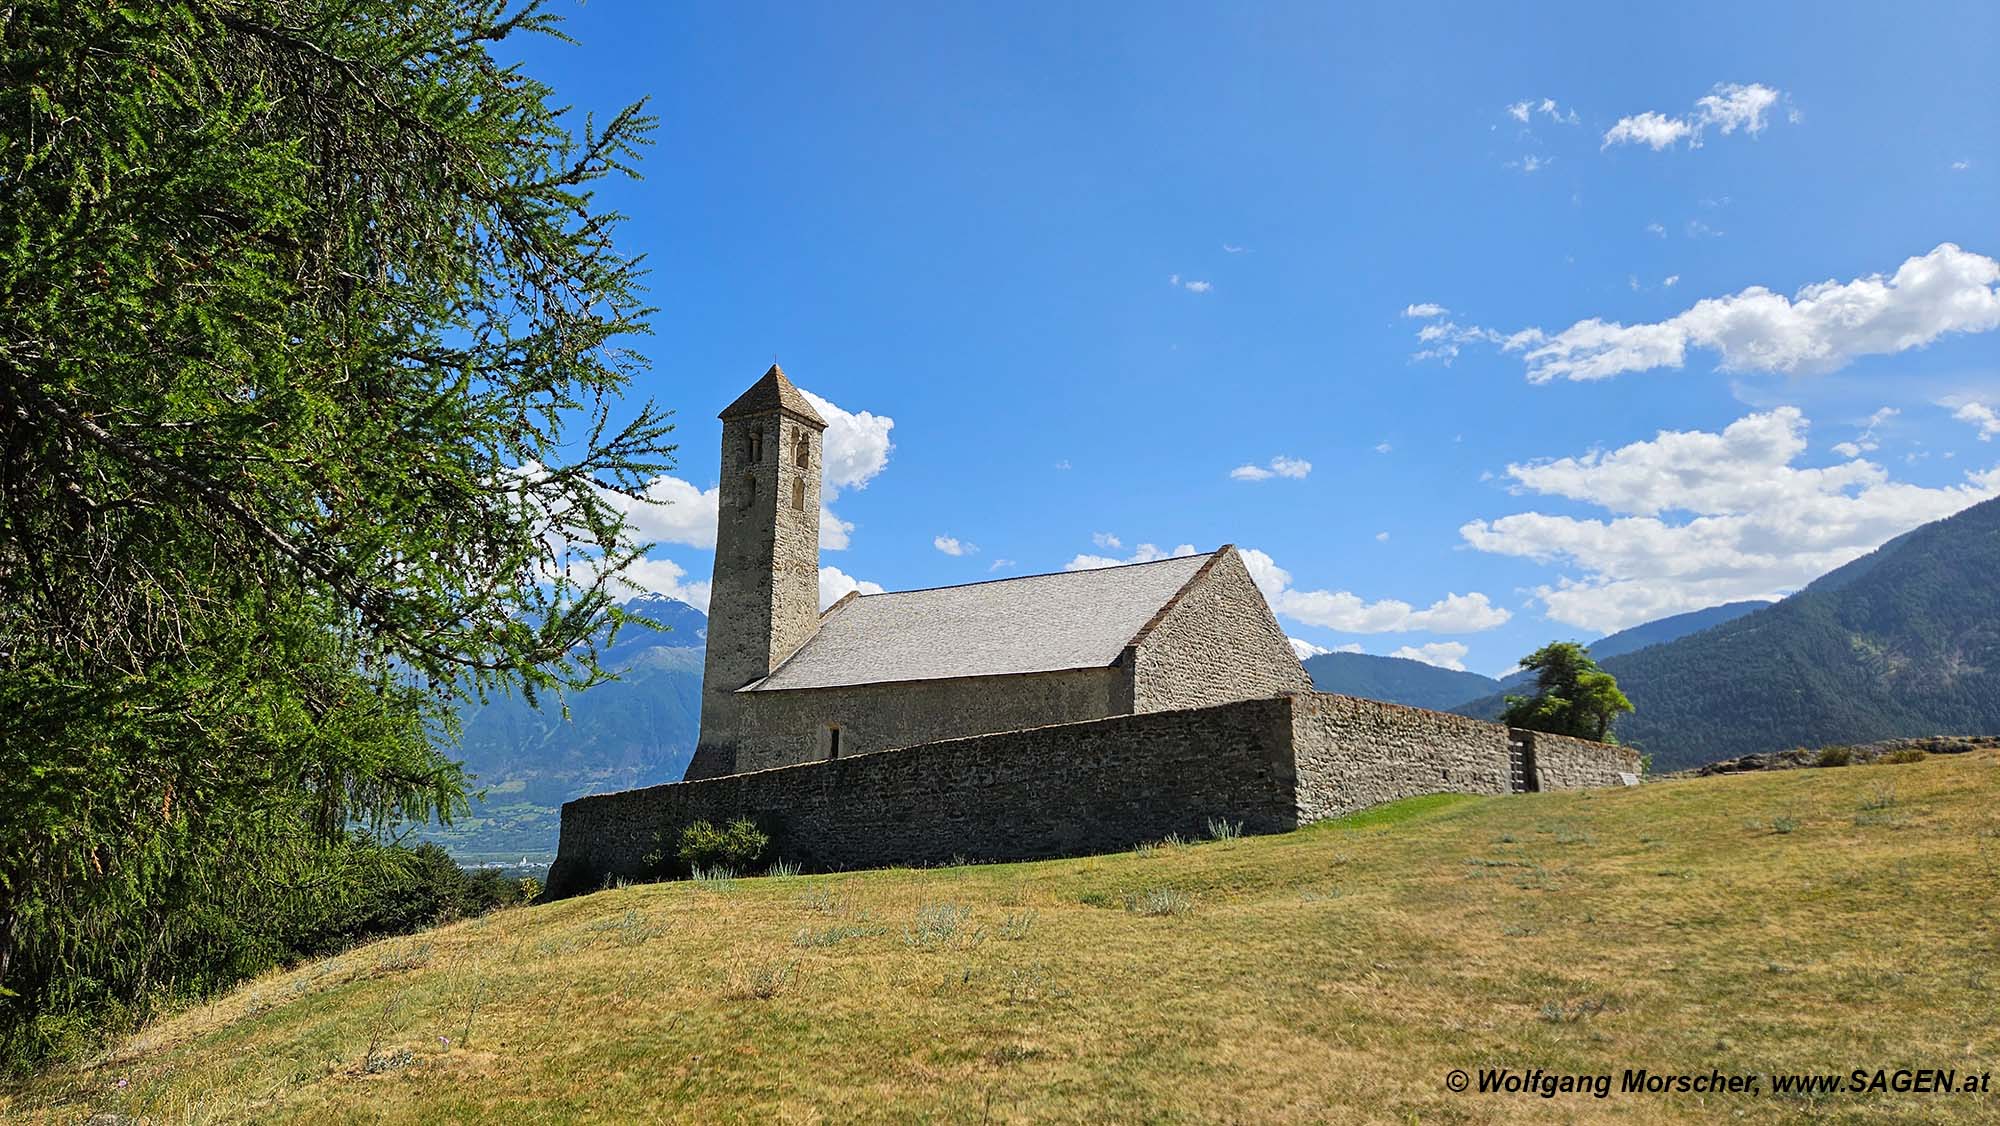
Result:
[
  {"x": 1050, "y": 715},
  {"x": 786, "y": 683}
]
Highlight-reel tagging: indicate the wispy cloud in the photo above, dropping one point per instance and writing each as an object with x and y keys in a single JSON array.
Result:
[
  {"x": 1425, "y": 309},
  {"x": 952, "y": 545},
  {"x": 1985, "y": 418},
  {"x": 1521, "y": 111},
  {"x": 1189, "y": 284},
  {"x": 1728, "y": 107}
]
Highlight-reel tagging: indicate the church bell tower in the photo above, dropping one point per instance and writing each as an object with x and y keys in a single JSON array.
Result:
[{"x": 763, "y": 602}]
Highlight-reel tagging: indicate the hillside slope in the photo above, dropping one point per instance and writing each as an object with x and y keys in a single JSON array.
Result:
[
  {"x": 1656, "y": 632},
  {"x": 1396, "y": 679},
  {"x": 1337, "y": 973},
  {"x": 1904, "y": 641}
]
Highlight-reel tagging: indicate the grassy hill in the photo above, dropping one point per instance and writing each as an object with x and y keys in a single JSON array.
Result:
[{"x": 1811, "y": 920}]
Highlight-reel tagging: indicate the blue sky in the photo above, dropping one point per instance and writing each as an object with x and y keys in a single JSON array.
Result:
[{"x": 1540, "y": 297}]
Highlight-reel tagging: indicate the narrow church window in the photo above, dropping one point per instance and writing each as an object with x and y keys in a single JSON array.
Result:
[
  {"x": 832, "y": 740},
  {"x": 799, "y": 493},
  {"x": 801, "y": 451},
  {"x": 749, "y": 489},
  {"x": 756, "y": 444}
]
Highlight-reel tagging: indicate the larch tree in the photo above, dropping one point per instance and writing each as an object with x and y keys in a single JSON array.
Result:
[{"x": 313, "y": 345}]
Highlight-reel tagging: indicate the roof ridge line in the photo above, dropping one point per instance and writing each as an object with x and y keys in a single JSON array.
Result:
[
  {"x": 1046, "y": 574},
  {"x": 1160, "y": 615}
]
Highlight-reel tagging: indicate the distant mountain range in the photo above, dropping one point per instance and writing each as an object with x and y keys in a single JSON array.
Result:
[
  {"x": 637, "y": 731},
  {"x": 1904, "y": 641},
  {"x": 1397, "y": 680},
  {"x": 1402, "y": 681}
]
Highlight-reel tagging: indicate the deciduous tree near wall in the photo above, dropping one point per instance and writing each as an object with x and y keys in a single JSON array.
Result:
[
  {"x": 311, "y": 346},
  {"x": 1572, "y": 695}
]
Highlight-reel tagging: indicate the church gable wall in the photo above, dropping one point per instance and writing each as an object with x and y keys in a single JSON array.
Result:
[{"x": 1218, "y": 642}]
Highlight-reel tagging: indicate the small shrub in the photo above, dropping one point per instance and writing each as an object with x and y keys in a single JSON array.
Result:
[
  {"x": 1786, "y": 824},
  {"x": 832, "y": 936},
  {"x": 782, "y": 868},
  {"x": 1555, "y": 1012},
  {"x": 718, "y": 879},
  {"x": 1905, "y": 755},
  {"x": 764, "y": 981},
  {"x": 1223, "y": 829},
  {"x": 1146, "y": 849},
  {"x": 1884, "y": 797},
  {"x": 1835, "y": 756},
  {"x": 737, "y": 846},
  {"x": 407, "y": 958},
  {"x": 1032, "y": 985},
  {"x": 1015, "y": 926},
  {"x": 942, "y": 924},
  {"x": 818, "y": 900},
  {"x": 1156, "y": 902}
]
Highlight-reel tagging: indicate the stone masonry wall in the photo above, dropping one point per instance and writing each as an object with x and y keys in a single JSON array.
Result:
[
  {"x": 1092, "y": 786},
  {"x": 784, "y": 728},
  {"x": 1564, "y": 763},
  {"x": 1353, "y": 753},
  {"x": 1217, "y": 643},
  {"x": 1051, "y": 791}
]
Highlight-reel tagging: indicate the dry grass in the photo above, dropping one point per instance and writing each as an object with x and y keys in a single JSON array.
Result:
[{"x": 1333, "y": 974}]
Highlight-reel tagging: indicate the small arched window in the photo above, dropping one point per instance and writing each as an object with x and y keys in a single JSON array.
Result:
[
  {"x": 799, "y": 493},
  {"x": 749, "y": 489},
  {"x": 802, "y": 451},
  {"x": 756, "y": 451}
]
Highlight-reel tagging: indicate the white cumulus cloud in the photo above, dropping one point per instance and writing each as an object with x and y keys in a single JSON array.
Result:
[
  {"x": 952, "y": 545},
  {"x": 1425, "y": 309},
  {"x": 1346, "y": 612},
  {"x": 664, "y": 576},
  {"x": 835, "y": 584},
  {"x": 1107, "y": 540},
  {"x": 1819, "y": 329},
  {"x": 855, "y": 448},
  {"x": 1700, "y": 518},
  {"x": 1280, "y": 466}
]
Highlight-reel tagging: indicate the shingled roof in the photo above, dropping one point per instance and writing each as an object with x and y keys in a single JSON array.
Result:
[
  {"x": 770, "y": 394},
  {"x": 1038, "y": 623}
]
